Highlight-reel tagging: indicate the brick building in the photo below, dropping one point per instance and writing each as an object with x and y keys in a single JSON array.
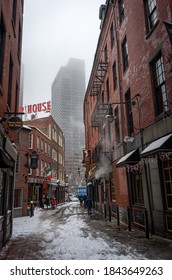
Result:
[
  {"x": 127, "y": 115},
  {"x": 50, "y": 128},
  {"x": 40, "y": 149},
  {"x": 21, "y": 184},
  {"x": 11, "y": 22}
]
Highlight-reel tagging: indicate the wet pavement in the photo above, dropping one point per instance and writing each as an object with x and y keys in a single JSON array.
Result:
[{"x": 69, "y": 233}]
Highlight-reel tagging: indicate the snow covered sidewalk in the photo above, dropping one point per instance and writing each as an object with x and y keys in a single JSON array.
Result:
[{"x": 68, "y": 233}]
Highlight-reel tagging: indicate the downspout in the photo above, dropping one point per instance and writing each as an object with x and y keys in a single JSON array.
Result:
[{"x": 119, "y": 74}]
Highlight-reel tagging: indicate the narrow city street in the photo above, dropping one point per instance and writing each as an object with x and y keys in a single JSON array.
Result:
[{"x": 68, "y": 233}]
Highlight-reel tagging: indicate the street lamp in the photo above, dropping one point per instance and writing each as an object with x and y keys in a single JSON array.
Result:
[
  {"x": 110, "y": 117},
  {"x": 134, "y": 101}
]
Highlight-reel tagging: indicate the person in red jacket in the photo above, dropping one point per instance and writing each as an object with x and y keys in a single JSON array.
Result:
[{"x": 54, "y": 202}]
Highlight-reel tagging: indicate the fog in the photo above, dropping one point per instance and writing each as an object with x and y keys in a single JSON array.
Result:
[{"x": 53, "y": 32}]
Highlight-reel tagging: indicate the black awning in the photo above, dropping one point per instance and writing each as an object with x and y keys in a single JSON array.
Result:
[
  {"x": 163, "y": 144},
  {"x": 5, "y": 160},
  {"x": 131, "y": 158}
]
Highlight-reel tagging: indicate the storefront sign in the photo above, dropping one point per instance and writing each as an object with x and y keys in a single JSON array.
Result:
[
  {"x": 15, "y": 123},
  {"x": 87, "y": 156}
]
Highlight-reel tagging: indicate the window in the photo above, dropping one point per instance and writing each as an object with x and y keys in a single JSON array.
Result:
[
  {"x": 106, "y": 53},
  {"x": 30, "y": 141},
  {"x": 151, "y": 14},
  {"x": 160, "y": 95},
  {"x": 167, "y": 178},
  {"x": 38, "y": 142},
  {"x": 114, "y": 76},
  {"x": 17, "y": 198},
  {"x": 107, "y": 89},
  {"x": 121, "y": 10},
  {"x": 125, "y": 54},
  {"x": 112, "y": 35},
  {"x": 19, "y": 137},
  {"x": 2, "y": 47},
  {"x": 46, "y": 148},
  {"x": 117, "y": 130},
  {"x": 17, "y": 164},
  {"x": 10, "y": 82},
  {"x": 137, "y": 189},
  {"x": 129, "y": 114},
  {"x": 42, "y": 145},
  {"x": 49, "y": 150},
  {"x": 37, "y": 169}
]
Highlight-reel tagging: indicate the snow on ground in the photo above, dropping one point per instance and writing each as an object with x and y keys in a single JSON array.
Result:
[{"x": 65, "y": 235}]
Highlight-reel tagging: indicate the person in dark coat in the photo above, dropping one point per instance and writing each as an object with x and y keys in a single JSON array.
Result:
[
  {"x": 47, "y": 201},
  {"x": 88, "y": 203},
  {"x": 84, "y": 199}
]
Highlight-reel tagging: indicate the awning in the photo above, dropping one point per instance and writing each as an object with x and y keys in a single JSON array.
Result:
[
  {"x": 5, "y": 160},
  {"x": 131, "y": 158},
  {"x": 164, "y": 144}
]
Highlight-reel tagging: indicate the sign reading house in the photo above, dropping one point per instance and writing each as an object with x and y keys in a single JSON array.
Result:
[
  {"x": 36, "y": 108},
  {"x": 15, "y": 123}
]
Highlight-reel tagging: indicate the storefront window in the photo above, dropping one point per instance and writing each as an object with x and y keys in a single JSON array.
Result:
[
  {"x": 2, "y": 184},
  {"x": 18, "y": 198},
  {"x": 167, "y": 178},
  {"x": 137, "y": 189}
]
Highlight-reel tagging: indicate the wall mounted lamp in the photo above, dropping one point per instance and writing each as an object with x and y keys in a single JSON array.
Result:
[
  {"x": 109, "y": 116},
  {"x": 133, "y": 101}
]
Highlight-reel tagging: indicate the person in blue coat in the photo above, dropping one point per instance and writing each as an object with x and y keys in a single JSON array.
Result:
[{"x": 88, "y": 203}]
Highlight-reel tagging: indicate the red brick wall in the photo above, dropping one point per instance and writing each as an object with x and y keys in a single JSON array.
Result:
[
  {"x": 141, "y": 50},
  {"x": 21, "y": 176},
  {"x": 11, "y": 47}
]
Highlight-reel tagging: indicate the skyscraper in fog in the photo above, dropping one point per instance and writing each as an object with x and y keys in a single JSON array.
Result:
[{"x": 68, "y": 91}]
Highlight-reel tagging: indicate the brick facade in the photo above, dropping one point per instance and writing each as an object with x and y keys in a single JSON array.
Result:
[
  {"x": 131, "y": 75},
  {"x": 50, "y": 128},
  {"x": 11, "y": 21}
]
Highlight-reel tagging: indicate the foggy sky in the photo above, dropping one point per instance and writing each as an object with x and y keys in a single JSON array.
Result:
[{"x": 53, "y": 32}]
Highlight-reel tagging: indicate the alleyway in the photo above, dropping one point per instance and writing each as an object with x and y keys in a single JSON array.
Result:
[{"x": 69, "y": 233}]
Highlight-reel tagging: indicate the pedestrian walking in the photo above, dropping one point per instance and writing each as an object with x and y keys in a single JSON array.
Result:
[
  {"x": 54, "y": 202},
  {"x": 88, "y": 204},
  {"x": 47, "y": 201},
  {"x": 84, "y": 199}
]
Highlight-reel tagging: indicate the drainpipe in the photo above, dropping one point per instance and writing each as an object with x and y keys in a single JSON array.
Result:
[{"x": 119, "y": 73}]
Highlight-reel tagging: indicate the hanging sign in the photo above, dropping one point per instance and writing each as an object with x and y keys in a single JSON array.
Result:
[
  {"x": 87, "y": 156},
  {"x": 15, "y": 123}
]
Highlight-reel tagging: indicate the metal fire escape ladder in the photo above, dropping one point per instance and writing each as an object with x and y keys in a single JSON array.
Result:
[
  {"x": 98, "y": 78},
  {"x": 98, "y": 115}
]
